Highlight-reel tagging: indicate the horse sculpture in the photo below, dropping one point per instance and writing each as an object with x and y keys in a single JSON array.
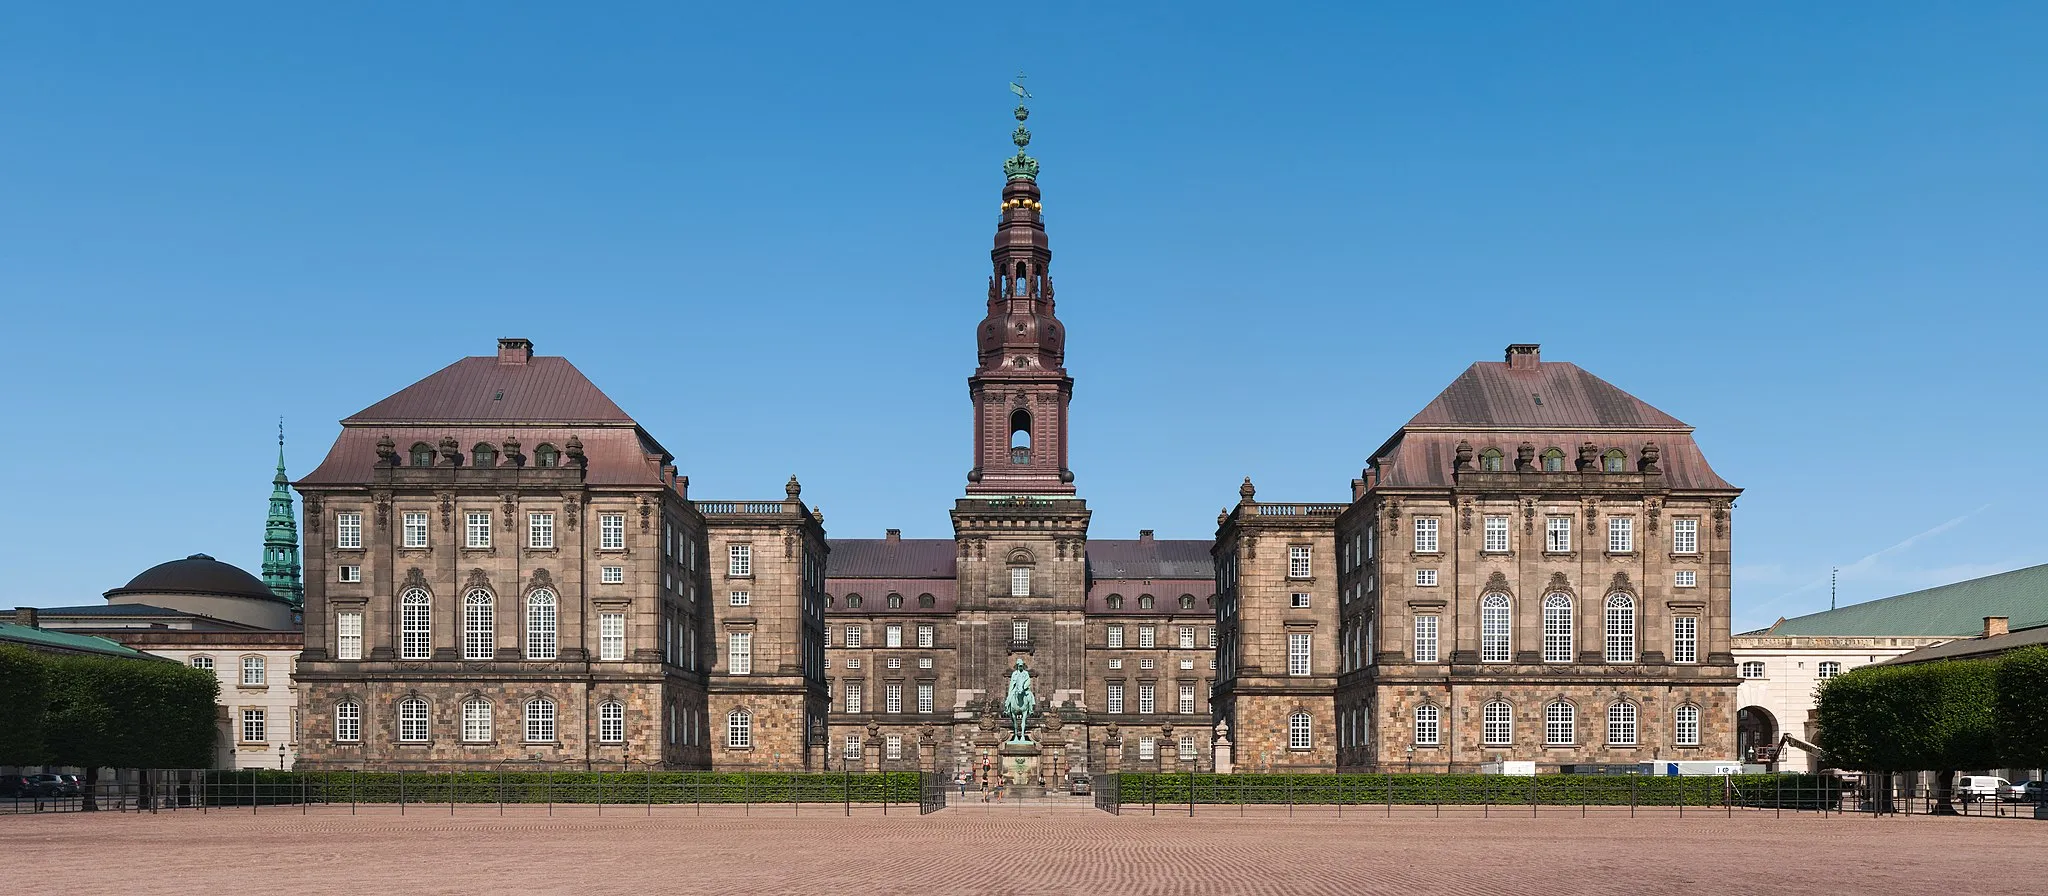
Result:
[{"x": 1019, "y": 702}]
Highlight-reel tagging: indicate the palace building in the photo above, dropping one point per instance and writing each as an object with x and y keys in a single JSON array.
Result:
[{"x": 503, "y": 567}]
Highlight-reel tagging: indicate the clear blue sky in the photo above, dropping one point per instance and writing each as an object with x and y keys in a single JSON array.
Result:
[{"x": 1814, "y": 231}]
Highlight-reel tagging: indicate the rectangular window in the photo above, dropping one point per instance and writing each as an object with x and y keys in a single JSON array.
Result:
[
  {"x": 892, "y": 697},
  {"x": 853, "y": 696},
  {"x": 477, "y": 529},
  {"x": 1148, "y": 663},
  {"x": 1020, "y": 582},
  {"x": 1425, "y": 578},
  {"x": 611, "y": 531},
  {"x": 853, "y": 636},
  {"x": 892, "y": 747},
  {"x": 1425, "y": 639},
  {"x": 1212, "y": 637},
  {"x": 1425, "y": 534},
  {"x": 476, "y": 721},
  {"x": 611, "y": 722},
  {"x": 1148, "y": 636},
  {"x": 1187, "y": 699},
  {"x": 1116, "y": 663},
  {"x": 412, "y": 720},
  {"x": 1116, "y": 637},
  {"x": 1020, "y": 631},
  {"x": 740, "y": 598},
  {"x": 540, "y": 530},
  {"x": 1115, "y": 703},
  {"x": 924, "y": 696},
  {"x": 1557, "y": 534},
  {"x": 1187, "y": 637},
  {"x": 540, "y": 722},
  {"x": 611, "y": 575},
  {"x": 739, "y": 653},
  {"x": 611, "y": 636},
  {"x": 252, "y": 726},
  {"x": 739, "y": 560},
  {"x": 924, "y": 635},
  {"x": 1148, "y": 748},
  {"x": 348, "y": 636},
  {"x": 1621, "y": 535},
  {"x": 1685, "y": 639},
  {"x": 351, "y": 573},
  {"x": 1298, "y": 600},
  {"x": 1688, "y": 726},
  {"x": 1684, "y": 578},
  {"x": 1298, "y": 566},
  {"x": 1298, "y": 653},
  {"x": 1496, "y": 534},
  {"x": 252, "y": 671},
  {"x": 348, "y": 722},
  {"x": 1428, "y": 727},
  {"x": 853, "y": 662},
  {"x": 924, "y": 662},
  {"x": 892, "y": 635},
  {"x": 1685, "y": 536},
  {"x": 415, "y": 530},
  {"x": 894, "y": 662},
  {"x": 1148, "y": 698},
  {"x": 348, "y": 531},
  {"x": 852, "y": 750}
]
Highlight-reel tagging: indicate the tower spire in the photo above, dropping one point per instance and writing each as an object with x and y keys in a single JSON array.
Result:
[
  {"x": 1020, "y": 385},
  {"x": 281, "y": 536}
]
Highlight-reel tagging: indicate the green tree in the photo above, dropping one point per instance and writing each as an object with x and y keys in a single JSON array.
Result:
[
  {"x": 1925, "y": 717},
  {"x": 2022, "y": 707},
  {"x": 25, "y": 704},
  {"x": 107, "y": 712}
]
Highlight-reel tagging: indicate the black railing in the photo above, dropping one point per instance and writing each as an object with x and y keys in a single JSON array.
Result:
[
  {"x": 1480, "y": 794},
  {"x": 1108, "y": 793}
]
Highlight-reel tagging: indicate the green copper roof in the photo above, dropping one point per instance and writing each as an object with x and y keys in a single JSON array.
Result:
[
  {"x": 281, "y": 537},
  {"x": 42, "y": 637},
  {"x": 1021, "y": 166},
  {"x": 1947, "y": 610}
]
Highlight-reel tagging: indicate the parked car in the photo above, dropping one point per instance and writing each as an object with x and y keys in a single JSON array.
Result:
[
  {"x": 1078, "y": 785},
  {"x": 55, "y": 785},
  {"x": 2024, "y": 792},
  {"x": 22, "y": 787},
  {"x": 77, "y": 783},
  {"x": 1971, "y": 788}
]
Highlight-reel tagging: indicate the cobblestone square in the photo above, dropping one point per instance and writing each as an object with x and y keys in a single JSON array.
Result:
[{"x": 1010, "y": 851}]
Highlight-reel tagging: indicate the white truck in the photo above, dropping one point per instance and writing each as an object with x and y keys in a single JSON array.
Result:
[
  {"x": 1519, "y": 767},
  {"x": 1669, "y": 769}
]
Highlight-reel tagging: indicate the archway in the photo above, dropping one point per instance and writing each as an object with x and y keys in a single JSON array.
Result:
[{"x": 1756, "y": 734}]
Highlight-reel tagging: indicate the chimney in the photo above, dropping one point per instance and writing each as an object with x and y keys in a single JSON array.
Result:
[
  {"x": 1357, "y": 489},
  {"x": 27, "y": 616},
  {"x": 1993, "y": 625},
  {"x": 1524, "y": 356},
  {"x": 515, "y": 352},
  {"x": 892, "y": 536},
  {"x": 1144, "y": 536}
]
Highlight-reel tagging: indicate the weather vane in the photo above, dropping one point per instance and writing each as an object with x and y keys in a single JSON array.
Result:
[{"x": 1017, "y": 87}]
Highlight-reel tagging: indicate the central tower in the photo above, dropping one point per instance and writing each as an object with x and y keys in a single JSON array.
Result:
[{"x": 1020, "y": 385}]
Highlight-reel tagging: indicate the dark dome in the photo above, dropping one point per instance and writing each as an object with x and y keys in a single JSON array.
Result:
[{"x": 197, "y": 574}]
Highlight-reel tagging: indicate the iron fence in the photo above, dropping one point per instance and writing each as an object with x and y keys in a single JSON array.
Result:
[{"x": 1108, "y": 793}]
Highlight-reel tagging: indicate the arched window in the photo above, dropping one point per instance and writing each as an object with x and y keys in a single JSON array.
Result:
[
  {"x": 415, "y": 625},
  {"x": 1686, "y": 725},
  {"x": 348, "y": 721},
  {"x": 1560, "y": 723},
  {"x": 895, "y": 601},
  {"x": 1428, "y": 725},
  {"x": 422, "y": 454},
  {"x": 479, "y": 626},
  {"x": 1553, "y": 461},
  {"x": 1116, "y": 601},
  {"x": 1187, "y": 601},
  {"x": 1621, "y": 629},
  {"x": 483, "y": 455},
  {"x": 1144, "y": 601},
  {"x": 926, "y": 601},
  {"x": 1020, "y": 437},
  {"x": 831, "y": 601},
  {"x": 545, "y": 455},
  {"x": 853, "y": 601},
  {"x": 1490, "y": 460},
  {"x": 611, "y": 722},
  {"x": 1497, "y": 724},
  {"x": 1621, "y": 724},
  {"x": 540, "y": 721},
  {"x": 541, "y": 643},
  {"x": 1494, "y": 629},
  {"x": 412, "y": 720},
  {"x": 1557, "y": 628},
  {"x": 1829, "y": 669},
  {"x": 1615, "y": 461},
  {"x": 1300, "y": 736},
  {"x": 476, "y": 720},
  {"x": 739, "y": 729}
]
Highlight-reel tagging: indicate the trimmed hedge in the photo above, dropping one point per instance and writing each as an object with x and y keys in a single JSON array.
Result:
[
  {"x": 2022, "y": 707},
  {"x": 1763, "y": 791},
  {"x": 1929, "y": 716},
  {"x": 239, "y": 788}
]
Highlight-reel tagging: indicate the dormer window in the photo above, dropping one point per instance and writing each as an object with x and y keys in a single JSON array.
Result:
[
  {"x": 545, "y": 455},
  {"x": 1553, "y": 461},
  {"x": 1490, "y": 461},
  {"x": 422, "y": 454},
  {"x": 483, "y": 455},
  {"x": 1615, "y": 461}
]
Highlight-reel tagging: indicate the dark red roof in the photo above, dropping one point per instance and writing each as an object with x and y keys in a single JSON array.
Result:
[
  {"x": 1424, "y": 459},
  {"x": 874, "y": 595},
  {"x": 1553, "y": 394},
  {"x": 1149, "y": 558},
  {"x": 615, "y": 455},
  {"x": 881, "y": 558},
  {"x": 543, "y": 389},
  {"x": 1166, "y": 594}
]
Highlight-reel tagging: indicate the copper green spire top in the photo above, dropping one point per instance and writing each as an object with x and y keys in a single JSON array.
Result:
[
  {"x": 1021, "y": 166},
  {"x": 281, "y": 536}
]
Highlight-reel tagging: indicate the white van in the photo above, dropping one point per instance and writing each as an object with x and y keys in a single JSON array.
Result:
[{"x": 1971, "y": 788}]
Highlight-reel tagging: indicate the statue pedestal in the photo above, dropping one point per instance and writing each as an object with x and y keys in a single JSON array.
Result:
[{"x": 1020, "y": 767}]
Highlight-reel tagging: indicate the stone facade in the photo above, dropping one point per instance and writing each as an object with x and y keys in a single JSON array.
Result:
[{"x": 1278, "y": 632}]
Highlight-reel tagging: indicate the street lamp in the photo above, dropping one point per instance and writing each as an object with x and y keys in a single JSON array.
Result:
[{"x": 280, "y": 757}]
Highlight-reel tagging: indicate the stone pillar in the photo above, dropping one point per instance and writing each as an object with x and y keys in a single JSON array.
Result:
[
  {"x": 1169, "y": 750},
  {"x": 927, "y": 750},
  {"x": 1112, "y": 751},
  {"x": 1220, "y": 749},
  {"x": 871, "y": 750}
]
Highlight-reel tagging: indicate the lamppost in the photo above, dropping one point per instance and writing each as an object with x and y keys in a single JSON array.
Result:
[
  {"x": 280, "y": 757},
  {"x": 1411, "y": 759},
  {"x": 1058, "y": 753}
]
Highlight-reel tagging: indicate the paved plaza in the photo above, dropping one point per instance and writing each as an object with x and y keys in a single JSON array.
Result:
[{"x": 970, "y": 851}]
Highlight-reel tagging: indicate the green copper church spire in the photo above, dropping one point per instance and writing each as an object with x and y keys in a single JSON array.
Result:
[
  {"x": 1021, "y": 166},
  {"x": 281, "y": 536}
]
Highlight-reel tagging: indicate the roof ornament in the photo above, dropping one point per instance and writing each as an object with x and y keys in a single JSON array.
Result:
[
  {"x": 1021, "y": 166},
  {"x": 793, "y": 488},
  {"x": 1246, "y": 491}
]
